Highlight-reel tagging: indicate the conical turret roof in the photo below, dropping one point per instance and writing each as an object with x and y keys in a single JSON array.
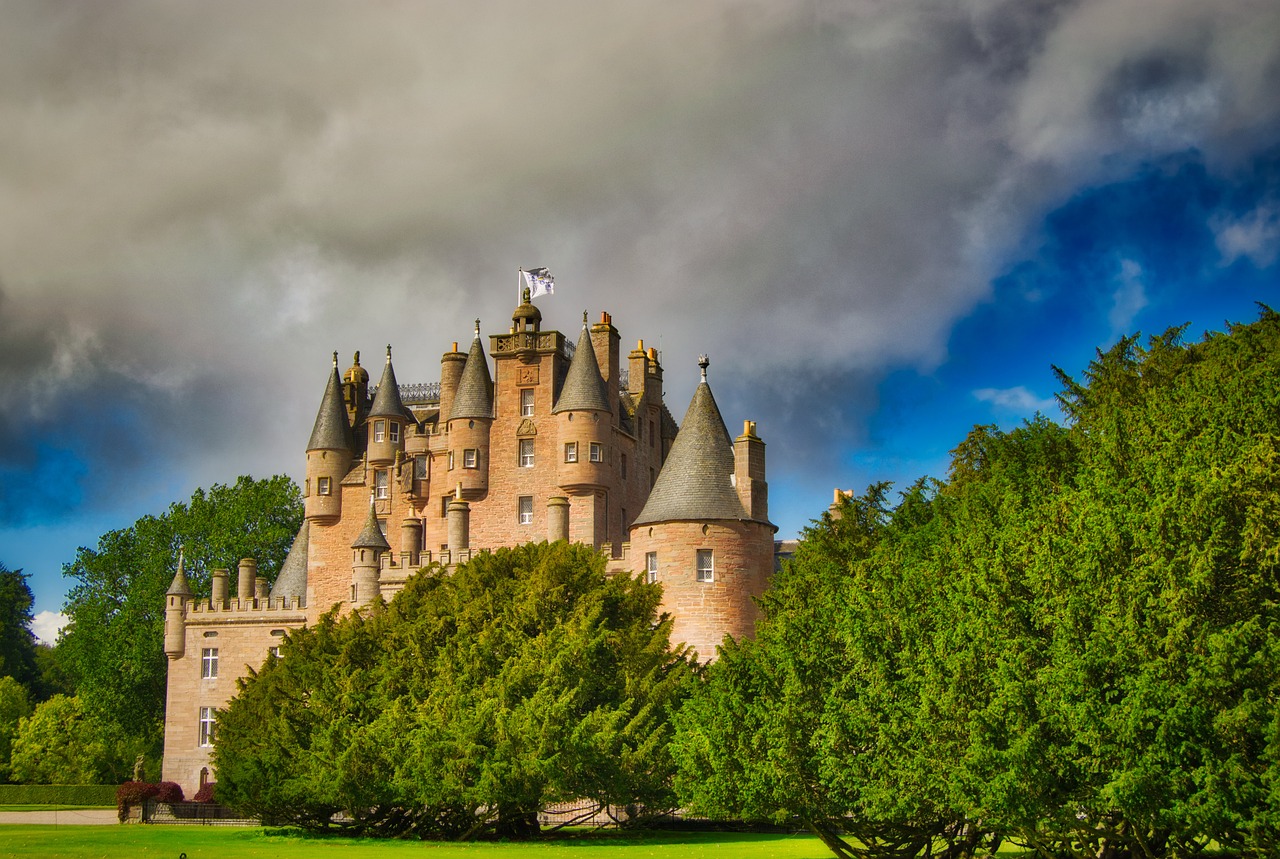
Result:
[
  {"x": 371, "y": 537},
  {"x": 180, "y": 587},
  {"x": 696, "y": 481},
  {"x": 474, "y": 398},
  {"x": 292, "y": 581},
  {"x": 584, "y": 388},
  {"x": 386, "y": 402},
  {"x": 331, "y": 431}
]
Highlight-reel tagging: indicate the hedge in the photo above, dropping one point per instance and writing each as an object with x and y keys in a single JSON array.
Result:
[{"x": 58, "y": 794}]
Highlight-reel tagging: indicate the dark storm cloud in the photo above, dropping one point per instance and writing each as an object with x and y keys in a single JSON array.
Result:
[{"x": 198, "y": 202}]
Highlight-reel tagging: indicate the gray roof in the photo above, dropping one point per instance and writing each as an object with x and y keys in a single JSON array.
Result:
[
  {"x": 584, "y": 388},
  {"x": 292, "y": 581},
  {"x": 474, "y": 397},
  {"x": 371, "y": 537},
  {"x": 331, "y": 432},
  {"x": 695, "y": 484},
  {"x": 179, "y": 588},
  {"x": 386, "y": 402}
]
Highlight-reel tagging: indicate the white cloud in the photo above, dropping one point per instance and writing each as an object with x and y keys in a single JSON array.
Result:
[
  {"x": 1129, "y": 298},
  {"x": 1255, "y": 234},
  {"x": 1017, "y": 400},
  {"x": 46, "y": 625}
]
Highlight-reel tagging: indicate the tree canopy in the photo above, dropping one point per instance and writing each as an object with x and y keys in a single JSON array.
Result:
[
  {"x": 113, "y": 645},
  {"x": 17, "y": 642},
  {"x": 1073, "y": 642},
  {"x": 470, "y": 702}
]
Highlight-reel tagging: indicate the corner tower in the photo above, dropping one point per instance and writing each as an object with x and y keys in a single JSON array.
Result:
[
  {"x": 712, "y": 553},
  {"x": 469, "y": 423},
  {"x": 329, "y": 454}
]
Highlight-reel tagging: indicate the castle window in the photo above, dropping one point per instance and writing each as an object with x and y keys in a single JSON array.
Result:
[
  {"x": 380, "y": 488},
  {"x": 597, "y": 452},
  {"x": 652, "y": 434},
  {"x": 706, "y": 566},
  {"x": 624, "y": 466},
  {"x": 394, "y": 432},
  {"x": 274, "y": 651},
  {"x": 526, "y": 510},
  {"x": 570, "y": 451},
  {"x": 470, "y": 457},
  {"x": 451, "y": 460},
  {"x": 207, "y": 717},
  {"x": 526, "y": 402},
  {"x": 526, "y": 453},
  {"x": 324, "y": 485},
  {"x": 420, "y": 468},
  {"x": 379, "y": 431},
  {"x": 651, "y": 567},
  {"x": 209, "y": 663}
]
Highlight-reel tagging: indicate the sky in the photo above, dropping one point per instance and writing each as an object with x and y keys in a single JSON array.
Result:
[{"x": 885, "y": 221}]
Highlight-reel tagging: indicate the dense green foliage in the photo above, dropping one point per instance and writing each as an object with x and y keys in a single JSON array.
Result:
[
  {"x": 466, "y": 705},
  {"x": 17, "y": 642},
  {"x": 58, "y": 794},
  {"x": 15, "y": 705},
  {"x": 113, "y": 646},
  {"x": 57, "y": 744},
  {"x": 1073, "y": 643}
]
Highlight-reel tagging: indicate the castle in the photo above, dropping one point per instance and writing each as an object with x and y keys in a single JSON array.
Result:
[{"x": 558, "y": 443}]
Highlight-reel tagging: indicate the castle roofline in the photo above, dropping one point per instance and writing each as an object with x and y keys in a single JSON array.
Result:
[{"x": 331, "y": 430}]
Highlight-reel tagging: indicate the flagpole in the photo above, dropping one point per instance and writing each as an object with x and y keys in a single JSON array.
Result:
[{"x": 520, "y": 286}]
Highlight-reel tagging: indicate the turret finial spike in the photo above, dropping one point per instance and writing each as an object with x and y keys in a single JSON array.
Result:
[
  {"x": 335, "y": 359},
  {"x": 704, "y": 362},
  {"x": 584, "y": 319},
  {"x": 388, "y": 353},
  {"x": 477, "y": 329}
]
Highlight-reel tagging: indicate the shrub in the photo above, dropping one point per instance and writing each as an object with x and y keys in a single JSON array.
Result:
[
  {"x": 205, "y": 793},
  {"x": 169, "y": 792},
  {"x": 57, "y": 794}
]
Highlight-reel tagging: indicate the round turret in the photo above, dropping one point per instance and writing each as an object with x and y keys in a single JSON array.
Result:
[
  {"x": 470, "y": 420},
  {"x": 329, "y": 453},
  {"x": 387, "y": 420},
  {"x": 583, "y": 423}
]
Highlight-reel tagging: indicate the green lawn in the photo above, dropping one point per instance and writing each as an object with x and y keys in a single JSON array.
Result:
[{"x": 209, "y": 842}]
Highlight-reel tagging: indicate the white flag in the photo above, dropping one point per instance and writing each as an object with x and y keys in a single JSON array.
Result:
[{"x": 539, "y": 281}]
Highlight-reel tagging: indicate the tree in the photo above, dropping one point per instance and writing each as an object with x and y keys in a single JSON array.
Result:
[
  {"x": 17, "y": 642},
  {"x": 57, "y": 744},
  {"x": 1073, "y": 643},
  {"x": 468, "y": 704},
  {"x": 14, "y": 706},
  {"x": 113, "y": 645}
]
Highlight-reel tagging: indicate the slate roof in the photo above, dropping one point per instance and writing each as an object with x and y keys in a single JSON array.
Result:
[
  {"x": 371, "y": 537},
  {"x": 292, "y": 581},
  {"x": 584, "y": 388},
  {"x": 331, "y": 431},
  {"x": 695, "y": 482},
  {"x": 386, "y": 402},
  {"x": 179, "y": 588},
  {"x": 474, "y": 397}
]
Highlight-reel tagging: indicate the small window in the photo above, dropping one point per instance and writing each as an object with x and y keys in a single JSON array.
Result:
[
  {"x": 706, "y": 566},
  {"x": 597, "y": 452},
  {"x": 526, "y": 402},
  {"x": 651, "y": 567},
  {"x": 420, "y": 468},
  {"x": 393, "y": 432},
  {"x": 274, "y": 651},
  {"x": 207, "y": 717},
  {"x": 324, "y": 485},
  {"x": 380, "y": 487},
  {"x": 653, "y": 477},
  {"x": 379, "y": 431},
  {"x": 652, "y": 435},
  {"x": 444, "y": 509},
  {"x": 526, "y": 509},
  {"x": 570, "y": 451},
  {"x": 209, "y": 663},
  {"x": 624, "y": 466},
  {"x": 526, "y": 453},
  {"x": 451, "y": 460},
  {"x": 470, "y": 457}
]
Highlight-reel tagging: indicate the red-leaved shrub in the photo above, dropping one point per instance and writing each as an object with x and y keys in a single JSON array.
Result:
[
  {"x": 168, "y": 791},
  {"x": 205, "y": 793},
  {"x": 132, "y": 793}
]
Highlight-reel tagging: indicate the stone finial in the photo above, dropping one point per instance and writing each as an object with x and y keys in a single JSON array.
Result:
[
  {"x": 584, "y": 319},
  {"x": 525, "y": 295},
  {"x": 477, "y": 329},
  {"x": 704, "y": 362},
  {"x": 335, "y": 359},
  {"x": 388, "y": 353},
  {"x": 356, "y": 358}
]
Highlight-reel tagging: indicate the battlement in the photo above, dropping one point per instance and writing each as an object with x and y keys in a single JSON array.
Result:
[{"x": 233, "y": 607}]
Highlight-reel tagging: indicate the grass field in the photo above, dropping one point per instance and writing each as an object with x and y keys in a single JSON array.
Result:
[{"x": 207, "y": 842}]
